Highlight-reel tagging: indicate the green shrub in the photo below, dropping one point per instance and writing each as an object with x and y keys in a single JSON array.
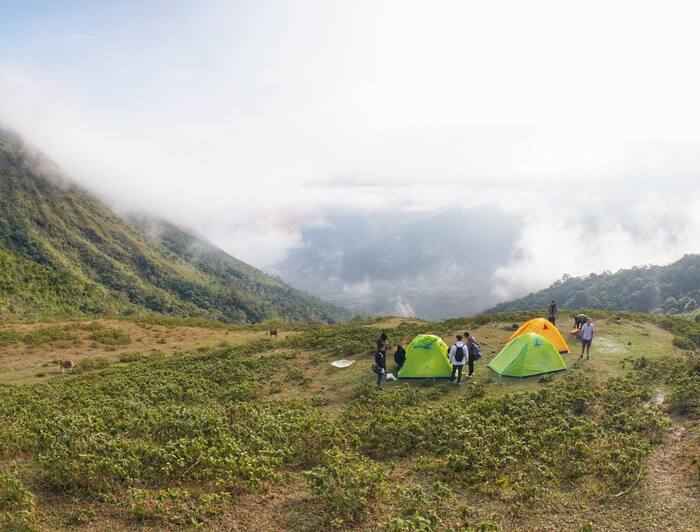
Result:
[
  {"x": 345, "y": 486},
  {"x": 683, "y": 342},
  {"x": 292, "y": 431},
  {"x": 685, "y": 396},
  {"x": 110, "y": 337},
  {"x": 421, "y": 508},
  {"x": 9, "y": 337},
  {"x": 175, "y": 506},
  {"x": 320, "y": 399},
  {"x": 16, "y": 501},
  {"x": 52, "y": 334},
  {"x": 92, "y": 363}
]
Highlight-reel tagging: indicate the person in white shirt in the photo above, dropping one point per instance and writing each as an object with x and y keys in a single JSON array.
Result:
[
  {"x": 587, "y": 331},
  {"x": 458, "y": 358}
]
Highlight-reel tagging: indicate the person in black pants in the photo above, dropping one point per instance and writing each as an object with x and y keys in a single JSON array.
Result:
[
  {"x": 458, "y": 355},
  {"x": 380, "y": 367},
  {"x": 552, "y": 312},
  {"x": 474, "y": 353},
  {"x": 399, "y": 359}
]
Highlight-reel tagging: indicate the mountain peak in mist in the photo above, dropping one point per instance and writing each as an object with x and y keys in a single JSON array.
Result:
[{"x": 64, "y": 253}]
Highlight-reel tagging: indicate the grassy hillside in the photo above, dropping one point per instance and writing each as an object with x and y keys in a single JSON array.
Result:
[
  {"x": 662, "y": 289},
  {"x": 63, "y": 253},
  {"x": 251, "y": 433}
]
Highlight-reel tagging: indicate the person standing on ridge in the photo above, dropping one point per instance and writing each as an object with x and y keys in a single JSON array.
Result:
[
  {"x": 458, "y": 358},
  {"x": 474, "y": 353},
  {"x": 552, "y": 312},
  {"x": 587, "y": 332},
  {"x": 380, "y": 367}
]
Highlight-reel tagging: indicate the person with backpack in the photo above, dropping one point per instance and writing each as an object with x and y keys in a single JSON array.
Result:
[
  {"x": 552, "y": 312},
  {"x": 379, "y": 367},
  {"x": 458, "y": 358},
  {"x": 399, "y": 359},
  {"x": 474, "y": 354}
]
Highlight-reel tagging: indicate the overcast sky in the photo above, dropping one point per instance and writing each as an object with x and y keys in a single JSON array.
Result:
[{"x": 245, "y": 120}]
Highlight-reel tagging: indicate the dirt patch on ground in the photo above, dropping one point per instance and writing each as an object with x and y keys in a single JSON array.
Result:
[{"x": 23, "y": 362}]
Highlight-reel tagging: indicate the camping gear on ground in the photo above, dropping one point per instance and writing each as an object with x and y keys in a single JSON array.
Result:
[
  {"x": 342, "y": 363},
  {"x": 526, "y": 355},
  {"x": 544, "y": 328},
  {"x": 426, "y": 357}
]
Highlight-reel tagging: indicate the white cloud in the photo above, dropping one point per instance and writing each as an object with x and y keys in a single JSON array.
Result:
[
  {"x": 645, "y": 228},
  {"x": 238, "y": 119}
]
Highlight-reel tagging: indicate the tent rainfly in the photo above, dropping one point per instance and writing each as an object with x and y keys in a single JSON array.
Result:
[
  {"x": 526, "y": 355},
  {"x": 426, "y": 357},
  {"x": 544, "y": 328}
]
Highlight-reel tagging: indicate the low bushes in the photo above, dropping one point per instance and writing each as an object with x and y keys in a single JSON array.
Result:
[
  {"x": 110, "y": 337},
  {"x": 345, "y": 486},
  {"x": 685, "y": 396},
  {"x": 175, "y": 438},
  {"x": 16, "y": 501}
]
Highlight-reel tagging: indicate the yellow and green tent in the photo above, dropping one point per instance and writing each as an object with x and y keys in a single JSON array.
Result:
[
  {"x": 526, "y": 355},
  {"x": 426, "y": 357},
  {"x": 545, "y": 328}
]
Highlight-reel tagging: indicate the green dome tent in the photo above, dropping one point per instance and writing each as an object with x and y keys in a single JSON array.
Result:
[
  {"x": 526, "y": 355},
  {"x": 426, "y": 357}
]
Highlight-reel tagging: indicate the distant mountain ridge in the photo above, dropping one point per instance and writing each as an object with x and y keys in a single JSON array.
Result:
[
  {"x": 64, "y": 253},
  {"x": 671, "y": 289}
]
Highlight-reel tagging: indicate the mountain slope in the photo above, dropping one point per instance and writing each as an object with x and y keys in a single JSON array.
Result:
[
  {"x": 670, "y": 289},
  {"x": 63, "y": 253}
]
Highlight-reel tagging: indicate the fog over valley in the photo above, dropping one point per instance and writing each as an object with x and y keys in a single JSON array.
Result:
[{"x": 391, "y": 157}]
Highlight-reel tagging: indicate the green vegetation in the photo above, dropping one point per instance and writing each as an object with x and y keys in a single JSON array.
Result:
[
  {"x": 110, "y": 337},
  {"x": 183, "y": 441},
  {"x": 345, "y": 485},
  {"x": 16, "y": 501},
  {"x": 64, "y": 254},
  {"x": 668, "y": 289}
]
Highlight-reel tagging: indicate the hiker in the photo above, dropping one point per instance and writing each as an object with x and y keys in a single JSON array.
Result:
[
  {"x": 382, "y": 342},
  {"x": 552, "y": 312},
  {"x": 579, "y": 320},
  {"x": 380, "y": 367},
  {"x": 474, "y": 349},
  {"x": 458, "y": 358},
  {"x": 399, "y": 359},
  {"x": 587, "y": 331}
]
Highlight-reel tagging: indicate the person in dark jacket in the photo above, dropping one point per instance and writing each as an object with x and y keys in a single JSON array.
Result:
[
  {"x": 399, "y": 359},
  {"x": 579, "y": 320},
  {"x": 382, "y": 342},
  {"x": 552, "y": 312},
  {"x": 474, "y": 349},
  {"x": 380, "y": 367}
]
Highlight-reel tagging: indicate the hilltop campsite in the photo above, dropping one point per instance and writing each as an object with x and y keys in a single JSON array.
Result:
[
  {"x": 368, "y": 265},
  {"x": 172, "y": 423}
]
